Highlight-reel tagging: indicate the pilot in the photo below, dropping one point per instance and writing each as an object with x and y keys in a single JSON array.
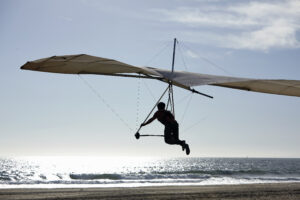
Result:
[{"x": 171, "y": 126}]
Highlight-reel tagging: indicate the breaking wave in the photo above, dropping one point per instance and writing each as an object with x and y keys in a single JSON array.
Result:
[{"x": 95, "y": 176}]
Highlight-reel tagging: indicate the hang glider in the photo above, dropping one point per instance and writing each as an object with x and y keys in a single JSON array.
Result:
[{"x": 86, "y": 64}]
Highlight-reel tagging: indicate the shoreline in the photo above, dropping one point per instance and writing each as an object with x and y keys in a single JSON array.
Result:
[
  {"x": 267, "y": 191},
  {"x": 130, "y": 185}
]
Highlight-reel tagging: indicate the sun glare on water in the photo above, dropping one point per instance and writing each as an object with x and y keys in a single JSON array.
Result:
[{"x": 57, "y": 172}]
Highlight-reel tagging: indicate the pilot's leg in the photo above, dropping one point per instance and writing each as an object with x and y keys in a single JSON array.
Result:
[{"x": 171, "y": 134}]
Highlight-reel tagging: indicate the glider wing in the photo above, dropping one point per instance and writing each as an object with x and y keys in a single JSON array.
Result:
[
  {"x": 83, "y": 64},
  {"x": 86, "y": 64},
  {"x": 277, "y": 86}
]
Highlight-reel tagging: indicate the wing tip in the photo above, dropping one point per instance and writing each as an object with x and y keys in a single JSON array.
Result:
[{"x": 25, "y": 66}]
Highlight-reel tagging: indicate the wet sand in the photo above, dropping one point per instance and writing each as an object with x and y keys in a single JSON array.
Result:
[{"x": 282, "y": 191}]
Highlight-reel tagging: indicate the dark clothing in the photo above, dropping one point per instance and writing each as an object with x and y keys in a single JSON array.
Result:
[
  {"x": 165, "y": 117},
  {"x": 171, "y": 126},
  {"x": 171, "y": 133}
]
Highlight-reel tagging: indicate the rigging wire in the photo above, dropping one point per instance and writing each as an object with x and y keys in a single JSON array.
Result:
[
  {"x": 167, "y": 44},
  {"x": 173, "y": 103},
  {"x": 192, "y": 126},
  {"x": 181, "y": 50},
  {"x": 149, "y": 90},
  {"x": 104, "y": 102},
  {"x": 182, "y": 56},
  {"x": 138, "y": 102},
  {"x": 207, "y": 60},
  {"x": 154, "y": 107},
  {"x": 184, "y": 98},
  {"x": 186, "y": 108}
]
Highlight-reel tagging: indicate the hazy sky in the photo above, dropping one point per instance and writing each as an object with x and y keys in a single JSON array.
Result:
[{"x": 57, "y": 114}]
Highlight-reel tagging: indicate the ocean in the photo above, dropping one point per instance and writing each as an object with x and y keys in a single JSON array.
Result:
[{"x": 76, "y": 172}]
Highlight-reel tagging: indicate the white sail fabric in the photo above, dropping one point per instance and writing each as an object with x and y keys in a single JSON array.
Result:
[
  {"x": 80, "y": 64},
  {"x": 85, "y": 64},
  {"x": 281, "y": 87}
]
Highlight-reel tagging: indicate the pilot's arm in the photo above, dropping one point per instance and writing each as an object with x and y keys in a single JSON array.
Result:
[{"x": 150, "y": 120}]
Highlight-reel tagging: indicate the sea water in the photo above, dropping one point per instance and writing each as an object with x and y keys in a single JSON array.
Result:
[{"x": 60, "y": 172}]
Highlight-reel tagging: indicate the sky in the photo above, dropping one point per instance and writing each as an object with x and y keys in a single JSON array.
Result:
[{"x": 44, "y": 114}]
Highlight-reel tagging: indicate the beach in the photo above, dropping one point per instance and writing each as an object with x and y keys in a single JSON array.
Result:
[
  {"x": 280, "y": 191},
  {"x": 82, "y": 178}
]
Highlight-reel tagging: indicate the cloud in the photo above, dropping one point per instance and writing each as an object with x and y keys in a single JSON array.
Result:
[
  {"x": 211, "y": 16},
  {"x": 255, "y": 25},
  {"x": 278, "y": 35}
]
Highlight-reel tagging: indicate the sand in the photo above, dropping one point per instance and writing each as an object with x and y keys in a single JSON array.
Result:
[{"x": 282, "y": 191}]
